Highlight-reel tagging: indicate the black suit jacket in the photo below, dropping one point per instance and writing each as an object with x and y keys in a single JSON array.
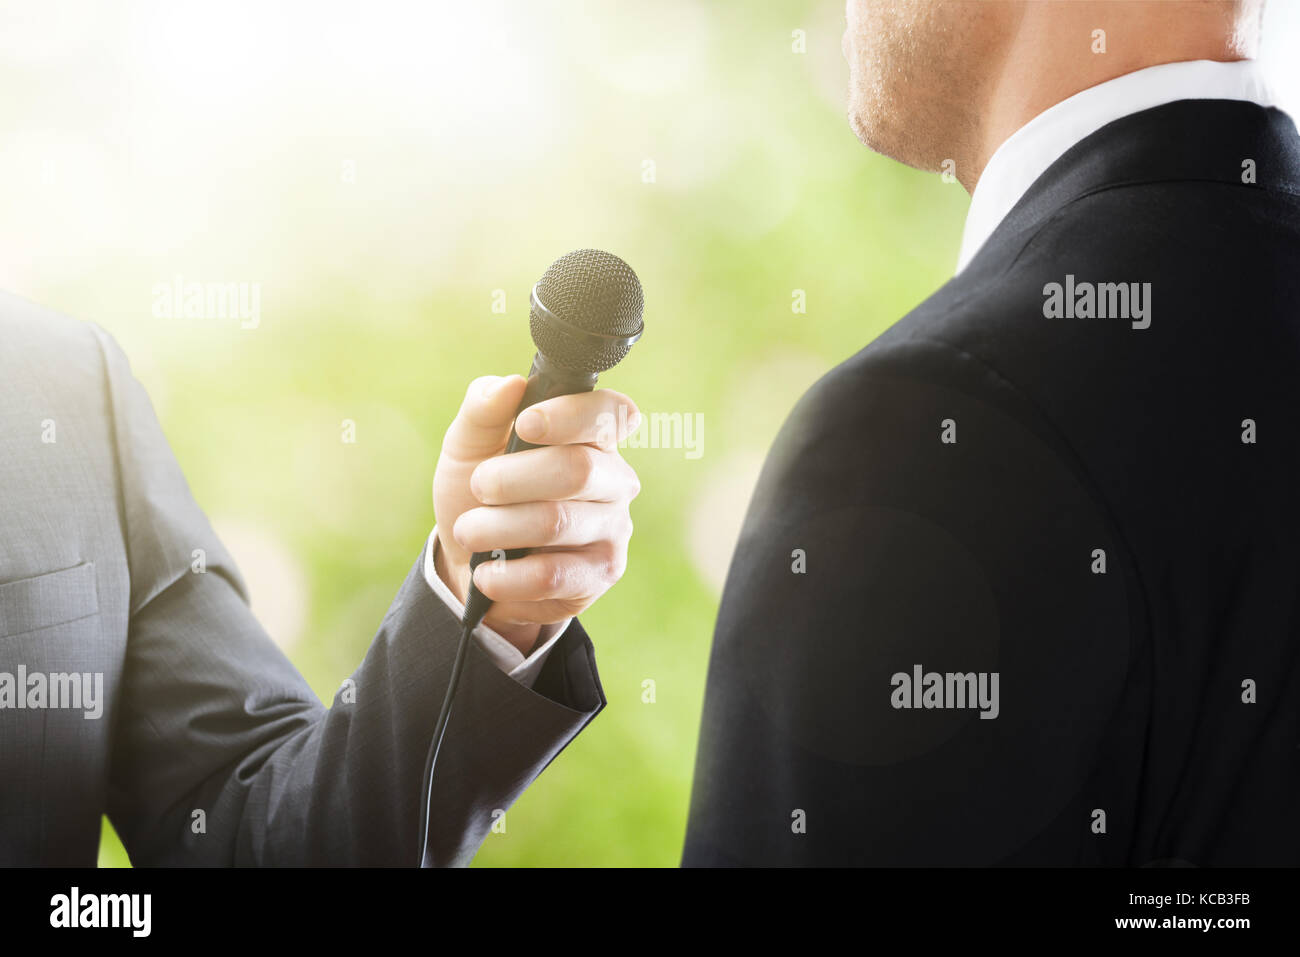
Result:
[{"x": 1074, "y": 504}]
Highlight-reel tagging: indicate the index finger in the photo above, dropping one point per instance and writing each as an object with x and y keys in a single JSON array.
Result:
[{"x": 602, "y": 418}]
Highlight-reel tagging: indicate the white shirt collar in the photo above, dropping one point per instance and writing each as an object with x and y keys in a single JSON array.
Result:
[{"x": 1030, "y": 150}]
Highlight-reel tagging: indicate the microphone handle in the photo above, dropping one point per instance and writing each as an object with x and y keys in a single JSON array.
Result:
[{"x": 545, "y": 381}]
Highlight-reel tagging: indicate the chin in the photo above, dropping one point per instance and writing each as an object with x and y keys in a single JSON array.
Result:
[
  {"x": 861, "y": 129},
  {"x": 866, "y": 126},
  {"x": 885, "y": 131},
  {"x": 861, "y": 114},
  {"x": 868, "y": 111}
]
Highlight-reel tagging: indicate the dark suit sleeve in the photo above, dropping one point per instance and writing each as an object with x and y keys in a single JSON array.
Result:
[
  {"x": 916, "y": 516},
  {"x": 223, "y": 755}
]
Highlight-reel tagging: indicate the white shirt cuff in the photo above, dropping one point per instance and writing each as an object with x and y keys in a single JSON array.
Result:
[{"x": 505, "y": 655}]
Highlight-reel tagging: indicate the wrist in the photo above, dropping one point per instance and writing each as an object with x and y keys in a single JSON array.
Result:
[
  {"x": 457, "y": 576},
  {"x": 522, "y": 636}
]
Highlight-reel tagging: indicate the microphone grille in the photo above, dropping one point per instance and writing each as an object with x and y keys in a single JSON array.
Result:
[{"x": 595, "y": 292}]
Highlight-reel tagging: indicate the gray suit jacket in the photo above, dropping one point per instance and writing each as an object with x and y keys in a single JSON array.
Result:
[{"x": 200, "y": 711}]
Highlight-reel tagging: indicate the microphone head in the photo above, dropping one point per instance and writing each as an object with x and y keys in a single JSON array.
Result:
[{"x": 586, "y": 311}]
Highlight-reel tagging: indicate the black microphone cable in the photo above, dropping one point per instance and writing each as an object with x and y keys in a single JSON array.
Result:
[{"x": 476, "y": 606}]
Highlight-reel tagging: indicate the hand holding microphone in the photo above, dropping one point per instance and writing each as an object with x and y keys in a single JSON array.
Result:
[
  {"x": 555, "y": 506},
  {"x": 567, "y": 500},
  {"x": 563, "y": 494}
]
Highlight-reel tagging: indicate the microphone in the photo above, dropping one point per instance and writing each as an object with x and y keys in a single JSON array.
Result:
[{"x": 585, "y": 314}]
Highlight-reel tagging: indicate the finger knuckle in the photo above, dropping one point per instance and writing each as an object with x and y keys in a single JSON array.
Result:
[
  {"x": 610, "y": 561},
  {"x": 558, "y": 519},
  {"x": 615, "y": 568},
  {"x": 583, "y": 466},
  {"x": 551, "y": 577}
]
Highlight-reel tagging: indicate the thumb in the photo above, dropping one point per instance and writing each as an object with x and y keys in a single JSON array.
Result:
[{"x": 482, "y": 426}]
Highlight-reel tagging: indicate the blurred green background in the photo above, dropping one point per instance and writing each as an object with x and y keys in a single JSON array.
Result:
[{"x": 383, "y": 171}]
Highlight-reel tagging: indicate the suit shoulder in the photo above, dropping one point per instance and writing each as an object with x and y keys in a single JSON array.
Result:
[
  {"x": 871, "y": 385},
  {"x": 1176, "y": 253},
  {"x": 55, "y": 349}
]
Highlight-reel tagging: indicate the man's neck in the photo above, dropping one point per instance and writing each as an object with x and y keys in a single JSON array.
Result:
[{"x": 1054, "y": 58}]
